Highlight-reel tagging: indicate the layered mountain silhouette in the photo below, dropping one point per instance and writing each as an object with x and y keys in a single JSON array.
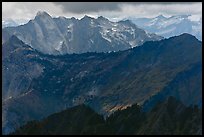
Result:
[
  {"x": 57, "y": 36},
  {"x": 170, "y": 26},
  {"x": 36, "y": 85},
  {"x": 169, "y": 117}
]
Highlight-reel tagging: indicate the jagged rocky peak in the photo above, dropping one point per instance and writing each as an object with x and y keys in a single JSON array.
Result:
[
  {"x": 86, "y": 18},
  {"x": 62, "y": 18},
  {"x": 46, "y": 34},
  {"x": 42, "y": 14},
  {"x": 102, "y": 18},
  {"x": 73, "y": 18}
]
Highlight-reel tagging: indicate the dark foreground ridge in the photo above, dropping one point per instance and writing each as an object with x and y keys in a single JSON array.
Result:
[{"x": 169, "y": 117}]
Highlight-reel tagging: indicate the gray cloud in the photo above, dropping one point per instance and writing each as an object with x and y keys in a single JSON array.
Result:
[
  {"x": 111, "y": 10},
  {"x": 87, "y": 7}
]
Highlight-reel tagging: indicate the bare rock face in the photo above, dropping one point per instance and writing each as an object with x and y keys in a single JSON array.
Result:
[{"x": 62, "y": 35}]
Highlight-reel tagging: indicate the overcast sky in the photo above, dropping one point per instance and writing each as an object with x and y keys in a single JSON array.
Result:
[{"x": 111, "y": 10}]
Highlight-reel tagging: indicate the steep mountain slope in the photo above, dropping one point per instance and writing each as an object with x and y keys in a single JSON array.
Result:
[
  {"x": 170, "y": 117},
  {"x": 62, "y": 35},
  {"x": 182, "y": 87},
  {"x": 104, "y": 81},
  {"x": 17, "y": 70},
  {"x": 172, "y": 26}
]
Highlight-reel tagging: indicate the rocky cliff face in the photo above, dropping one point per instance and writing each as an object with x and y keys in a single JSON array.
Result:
[{"x": 61, "y": 35}]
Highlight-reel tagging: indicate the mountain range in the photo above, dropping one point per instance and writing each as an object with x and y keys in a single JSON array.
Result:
[
  {"x": 170, "y": 26},
  {"x": 94, "y": 76},
  {"x": 57, "y": 36},
  {"x": 36, "y": 85}
]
